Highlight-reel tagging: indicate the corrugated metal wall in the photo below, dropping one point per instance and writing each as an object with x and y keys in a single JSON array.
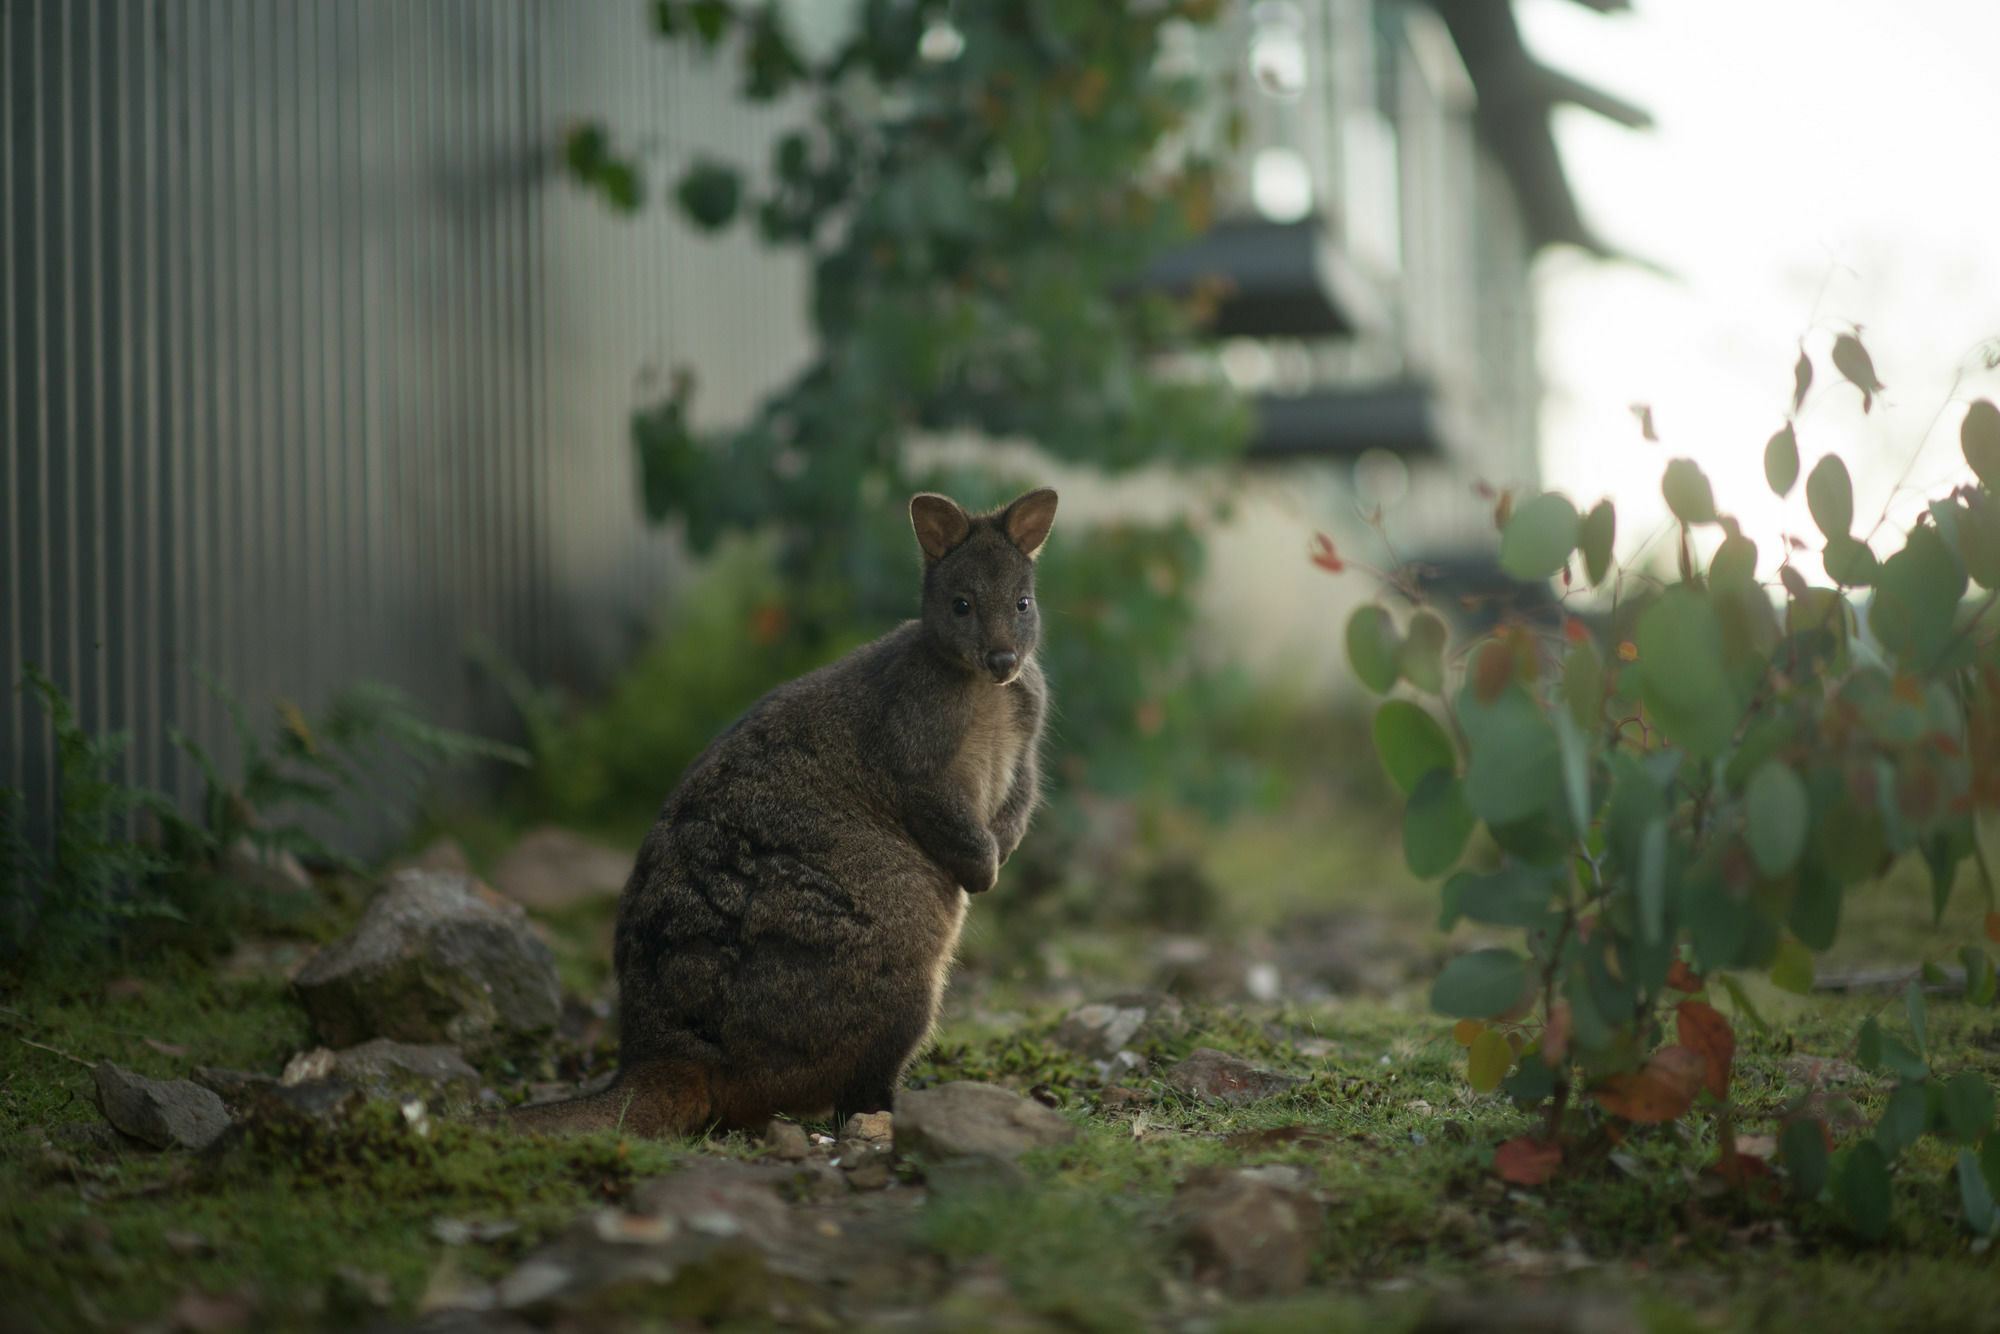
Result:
[{"x": 314, "y": 365}]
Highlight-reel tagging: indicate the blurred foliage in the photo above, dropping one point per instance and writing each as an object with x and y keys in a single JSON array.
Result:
[
  {"x": 123, "y": 852},
  {"x": 978, "y": 188},
  {"x": 1694, "y": 796}
]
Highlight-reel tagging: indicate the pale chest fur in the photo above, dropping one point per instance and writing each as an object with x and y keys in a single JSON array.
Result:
[{"x": 989, "y": 754}]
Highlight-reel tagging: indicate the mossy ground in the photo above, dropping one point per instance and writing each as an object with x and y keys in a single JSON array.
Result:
[{"x": 1384, "y": 1117}]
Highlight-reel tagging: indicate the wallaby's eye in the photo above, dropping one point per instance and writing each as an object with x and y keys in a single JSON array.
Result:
[
  {"x": 1022, "y": 606},
  {"x": 960, "y": 607}
]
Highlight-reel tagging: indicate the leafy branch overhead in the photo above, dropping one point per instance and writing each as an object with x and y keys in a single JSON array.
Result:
[
  {"x": 1696, "y": 804},
  {"x": 977, "y": 187}
]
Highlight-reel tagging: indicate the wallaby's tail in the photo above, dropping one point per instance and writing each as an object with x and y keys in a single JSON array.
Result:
[{"x": 647, "y": 1101}]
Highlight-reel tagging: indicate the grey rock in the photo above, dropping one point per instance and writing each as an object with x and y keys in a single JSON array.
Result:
[
  {"x": 1208, "y": 1073},
  {"x": 433, "y": 960},
  {"x": 1100, "y": 1031},
  {"x": 1250, "y": 1232},
  {"x": 867, "y": 1170},
  {"x": 237, "y": 1088},
  {"x": 551, "y": 868},
  {"x": 717, "y": 1198},
  {"x": 964, "y": 1119},
  {"x": 391, "y": 1071},
  {"x": 93, "y": 1139},
  {"x": 869, "y": 1128},
  {"x": 165, "y": 1113},
  {"x": 974, "y": 1176}
]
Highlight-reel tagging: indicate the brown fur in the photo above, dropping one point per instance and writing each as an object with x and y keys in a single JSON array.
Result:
[{"x": 783, "y": 942}]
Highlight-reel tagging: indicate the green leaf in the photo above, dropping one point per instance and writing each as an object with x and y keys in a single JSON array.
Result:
[
  {"x": 1979, "y": 976},
  {"x": 1968, "y": 1106},
  {"x": 585, "y": 150},
  {"x": 1915, "y": 609},
  {"x": 1979, "y": 437},
  {"x": 1861, "y": 1187},
  {"x": 1510, "y": 896},
  {"x": 1594, "y": 536},
  {"x": 1688, "y": 493},
  {"x": 1974, "y": 1197},
  {"x": 1792, "y": 969},
  {"x": 1848, "y": 561},
  {"x": 620, "y": 183},
  {"x": 1903, "y": 1117},
  {"x": 1539, "y": 537},
  {"x": 1830, "y": 497},
  {"x": 1411, "y": 743},
  {"x": 1583, "y": 687},
  {"x": 1803, "y": 1145},
  {"x": 1534, "y": 1082},
  {"x": 1979, "y": 538},
  {"x": 1480, "y": 985},
  {"x": 1652, "y": 882},
  {"x": 1852, "y": 360},
  {"x": 709, "y": 193},
  {"x": 1776, "y": 817},
  {"x": 1514, "y": 767},
  {"x": 1734, "y": 564},
  {"x": 1802, "y": 377},
  {"x": 1436, "y": 824},
  {"x": 1899, "y": 1060},
  {"x": 1685, "y": 681},
  {"x": 1913, "y": 1006},
  {"x": 1781, "y": 458},
  {"x": 1487, "y": 1060},
  {"x": 1422, "y": 658},
  {"x": 1373, "y": 648},
  {"x": 1574, "y": 749},
  {"x": 1868, "y": 1044}
]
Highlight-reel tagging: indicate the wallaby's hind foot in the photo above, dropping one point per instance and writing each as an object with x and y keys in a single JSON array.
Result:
[{"x": 648, "y": 1101}]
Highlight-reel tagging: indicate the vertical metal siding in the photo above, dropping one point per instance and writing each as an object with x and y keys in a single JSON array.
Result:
[{"x": 314, "y": 366}]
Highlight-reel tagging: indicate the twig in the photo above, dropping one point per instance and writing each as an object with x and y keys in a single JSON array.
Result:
[{"x": 88, "y": 1065}]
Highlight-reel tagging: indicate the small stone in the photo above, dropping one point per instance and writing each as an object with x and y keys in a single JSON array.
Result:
[
  {"x": 184, "y": 1243},
  {"x": 719, "y": 1198},
  {"x": 1251, "y": 1233},
  {"x": 440, "y": 854},
  {"x": 1099, "y": 1031},
  {"x": 974, "y": 1176},
  {"x": 966, "y": 1119},
  {"x": 869, "y": 1128},
  {"x": 786, "y": 1141},
  {"x": 550, "y": 868},
  {"x": 1208, "y": 1073},
  {"x": 322, "y": 1104},
  {"x": 868, "y": 1171},
  {"x": 390, "y": 1071},
  {"x": 307, "y": 1066},
  {"x": 1115, "y": 1096},
  {"x": 434, "y": 961},
  {"x": 165, "y": 1113}
]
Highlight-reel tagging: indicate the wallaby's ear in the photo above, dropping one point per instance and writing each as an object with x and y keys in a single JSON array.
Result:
[
  {"x": 1027, "y": 521},
  {"x": 940, "y": 523}
]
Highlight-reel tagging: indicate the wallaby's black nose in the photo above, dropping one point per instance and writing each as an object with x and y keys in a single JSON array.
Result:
[{"x": 1001, "y": 662}]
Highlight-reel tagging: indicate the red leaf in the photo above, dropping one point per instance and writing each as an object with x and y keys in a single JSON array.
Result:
[
  {"x": 1492, "y": 670},
  {"x": 1575, "y": 631},
  {"x": 1703, "y": 1029},
  {"x": 1527, "y": 1161},
  {"x": 1324, "y": 556},
  {"x": 1993, "y": 927},
  {"x": 1683, "y": 978},
  {"x": 1660, "y": 1090}
]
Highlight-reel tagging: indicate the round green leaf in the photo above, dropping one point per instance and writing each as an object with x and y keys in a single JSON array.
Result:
[
  {"x": 1848, "y": 561},
  {"x": 1688, "y": 493},
  {"x": 1411, "y": 744},
  {"x": 1422, "y": 657},
  {"x": 1583, "y": 687},
  {"x": 709, "y": 194},
  {"x": 1781, "y": 460},
  {"x": 1979, "y": 437},
  {"x": 1436, "y": 824},
  {"x": 1480, "y": 985},
  {"x": 1488, "y": 1059},
  {"x": 1684, "y": 679},
  {"x": 1515, "y": 762},
  {"x": 1776, "y": 818},
  {"x": 1974, "y": 1197},
  {"x": 1830, "y": 497},
  {"x": 1373, "y": 648},
  {"x": 1917, "y": 592},
  {"x": 1803, "y": 1145},
  {"x": 1968, "y": 1106},
  {"x": 1734, "y": 564},
  {"x": 1861, "y": 1187},
  {"x": 1539, "y": 537},
  {"x": 1594, "y": 536},
  {"x": 1792, "y": 969}
]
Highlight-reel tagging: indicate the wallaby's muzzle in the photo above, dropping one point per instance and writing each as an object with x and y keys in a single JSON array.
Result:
[{"x": 1003, "y": 662}]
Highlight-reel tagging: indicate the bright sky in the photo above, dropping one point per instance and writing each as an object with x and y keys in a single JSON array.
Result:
[{"x": 1815, "y": 164}]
